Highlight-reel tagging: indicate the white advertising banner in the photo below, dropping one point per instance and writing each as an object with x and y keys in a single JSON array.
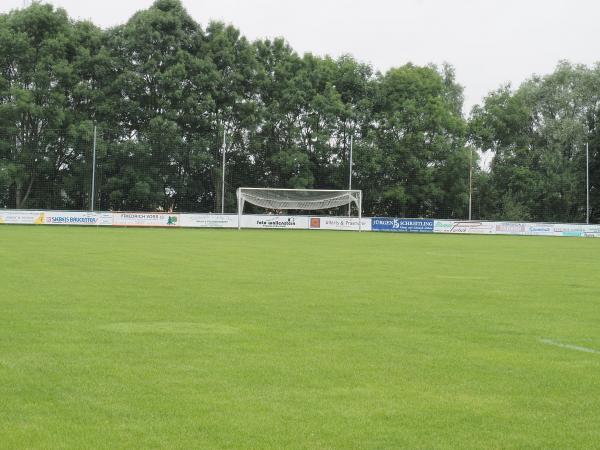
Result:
[
  {"x": 17, "y": 217},
  {"x": 339, "y": 223},
  {"x": 209, "y": 220},
  {"x": 464, "y": 227},
  {"x": 145, "y": 219},
  {"x": 511, "y": 228},
  {"x": 540, "y": 229},
  {"x": 282, "y": 222},
  {"x": 78, "y": 218},
  {"x": 516, "y": 228},
  {"x": 26, "y": 217},
  {"x": 56, "y": 218},
  {"x": 576, "y": 230}
]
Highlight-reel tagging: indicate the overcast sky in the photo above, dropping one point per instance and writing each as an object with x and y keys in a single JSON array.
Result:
[{"x": 489, "y": 42}]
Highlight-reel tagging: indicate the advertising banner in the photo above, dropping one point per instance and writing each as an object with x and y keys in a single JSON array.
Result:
[
  {"x": 591, "y": 230},
  {"x": 576, "y": 230},
  {"x": 283, "y": 222},
  {"x": 464, "y": 227},
  {"x": 78, "y": 218},
  {"x": 534, "y": 229},
  {"x": 511, "y": 228},
  {"x": 339, "y": 223},
  {"x": 402, "y": 225},
  {"x": 516, "y": 228},
  {"x": 86, "y": 218},
  {"x": 145, "y": 220},
  {"x": 17, "y": 217},
  {"x": 209, "y": 220}
]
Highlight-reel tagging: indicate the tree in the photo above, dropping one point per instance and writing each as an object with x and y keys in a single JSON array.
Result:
[
  {"x": 538, "y": 134},
  {"x": 39, "y": 49},
  {"x": 232, "y": 109},
  {"x": 151, "y": 155},
  {"x": 417, "y": 131}
]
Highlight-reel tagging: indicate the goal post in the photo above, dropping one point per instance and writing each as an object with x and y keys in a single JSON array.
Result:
[{"x": 302, "y": 199}]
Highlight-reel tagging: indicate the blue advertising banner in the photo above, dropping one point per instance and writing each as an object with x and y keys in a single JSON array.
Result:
[{"x": 402, "y": 225}]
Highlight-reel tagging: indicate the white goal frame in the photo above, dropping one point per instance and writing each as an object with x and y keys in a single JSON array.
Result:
[{"x": 354, "y": 196}]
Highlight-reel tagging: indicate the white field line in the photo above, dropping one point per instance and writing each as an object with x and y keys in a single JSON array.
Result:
[{"x": 570, "y": 346}]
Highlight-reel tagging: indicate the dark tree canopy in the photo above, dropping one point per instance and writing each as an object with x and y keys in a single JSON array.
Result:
[{"x": 164, "y": 92}]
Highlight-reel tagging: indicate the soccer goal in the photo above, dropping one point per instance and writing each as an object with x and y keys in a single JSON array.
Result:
[{"x": 302, "y": 199}]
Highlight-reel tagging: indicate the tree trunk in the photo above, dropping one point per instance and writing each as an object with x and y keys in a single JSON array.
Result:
[
  {"x": 20, "y": 199},
  {"x": 18, "y": 196}
]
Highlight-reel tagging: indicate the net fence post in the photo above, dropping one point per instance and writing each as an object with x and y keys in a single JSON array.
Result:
[
  {"x": 240, "y": 206},
  {"x": 93, "y": 195},
  {"x": 359, "y": 211},
  {"x": 470, "y": 184},
  {"x": 587, "y": 183},
  {"x": 350, "y": 177},
  {"x": 223, "y": 173}
]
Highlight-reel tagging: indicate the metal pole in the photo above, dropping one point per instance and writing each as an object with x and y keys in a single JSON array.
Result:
[
  {"x": 360, "y": 212},
  {"x": 350, "y": 176},
  {"x": 587, "y": 182},
  {"x": 93, "y": 171},
  {"x": 240, "y": 207},
  {"x": 470, "y": 183},
  {"x": 223, "y": 179}
]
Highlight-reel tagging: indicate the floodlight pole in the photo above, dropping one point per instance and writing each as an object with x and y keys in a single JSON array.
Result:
[
  {"x": 350, "y": 177},
  {"x": 93, "y": 171},
  {"x": 223, "y": 178},
  {"x": 587, "y": 181},
  {"x": 470, "y": 182}
]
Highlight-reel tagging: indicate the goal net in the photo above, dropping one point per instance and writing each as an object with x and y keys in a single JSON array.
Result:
[{"x": 301, "y": 199}]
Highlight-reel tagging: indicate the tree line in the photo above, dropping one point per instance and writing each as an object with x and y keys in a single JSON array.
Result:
[{"x": 167, "y": 95}]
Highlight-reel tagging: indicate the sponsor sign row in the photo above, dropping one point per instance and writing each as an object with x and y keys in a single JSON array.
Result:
[
  {"x": 516, "y": 228},
  {"x": 400, "y": 225},
  {"x": 124, "y": 219},
  {"x": 307, "y": 222},
  {"x": 88, "y": 218},
  {"x": 482, "y": 227}
]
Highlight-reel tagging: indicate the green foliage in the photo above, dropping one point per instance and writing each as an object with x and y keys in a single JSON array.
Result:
[
  {"x": 163, "y": 92},
  {"x": 38, "y": 54},
  {"x": 538, "y": 135},
  {"x": 420, "y": 133}
]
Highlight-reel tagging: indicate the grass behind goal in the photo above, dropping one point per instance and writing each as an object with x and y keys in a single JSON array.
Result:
[{"x": 148, "y": 338}]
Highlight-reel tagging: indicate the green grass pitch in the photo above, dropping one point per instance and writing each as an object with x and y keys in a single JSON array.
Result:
[{"x": 150, "y": 338}]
